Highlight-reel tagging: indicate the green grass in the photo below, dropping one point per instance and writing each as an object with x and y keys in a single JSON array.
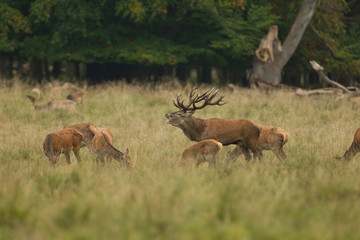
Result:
[{"x": 309, "y": 196}]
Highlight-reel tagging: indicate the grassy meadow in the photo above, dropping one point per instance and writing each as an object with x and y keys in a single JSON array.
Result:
[{"x": 309, "y": 196}]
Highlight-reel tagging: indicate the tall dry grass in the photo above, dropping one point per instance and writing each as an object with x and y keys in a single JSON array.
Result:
[{"x": 309, "y": 196}]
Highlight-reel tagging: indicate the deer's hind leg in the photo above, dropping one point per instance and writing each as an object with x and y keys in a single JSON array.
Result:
[
  {"x": 67, "y": 156},
  {"x": 77, "y": 154}
]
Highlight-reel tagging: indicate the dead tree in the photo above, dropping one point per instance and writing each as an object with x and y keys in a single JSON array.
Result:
[{"x": 271, "y": 56}]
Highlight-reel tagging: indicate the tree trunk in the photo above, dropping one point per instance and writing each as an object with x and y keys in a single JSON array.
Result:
[
  {"x": 56, "y": 70},
  {"x": 36, "y": 70},
  {"x": 271, "y": 57},
  {"x": 70, "y": 71}
]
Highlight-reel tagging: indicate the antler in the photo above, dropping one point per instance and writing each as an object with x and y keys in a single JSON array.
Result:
[{"x": 207, "y": 97}]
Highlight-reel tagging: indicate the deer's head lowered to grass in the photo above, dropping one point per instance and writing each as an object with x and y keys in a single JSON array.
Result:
[
  {"x": 244, "y": 133},
  {"x": 353, "y": 149},
  {"x": 102, "y": 144}
]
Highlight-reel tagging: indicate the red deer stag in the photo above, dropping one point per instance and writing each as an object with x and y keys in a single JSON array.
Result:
[
  {"x": 102, "y": 144},
  {"x": 353, "y": 149},
  {"x": 242, "y": 132},
  {"x": 271, "y": 138},
  {"x": 62, "y": 141},
  {"x": 204, "y": 151}
]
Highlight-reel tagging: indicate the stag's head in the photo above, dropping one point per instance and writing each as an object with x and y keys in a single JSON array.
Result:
[{"x": 186, "y": 110}]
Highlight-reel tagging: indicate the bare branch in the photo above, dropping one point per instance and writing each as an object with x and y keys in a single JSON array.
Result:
[{"x": 319, "y": 69}]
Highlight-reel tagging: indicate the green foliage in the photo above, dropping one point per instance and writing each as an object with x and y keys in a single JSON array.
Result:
[
  {"x": 220, "y": 33},
  {"x": 12, "y": 25}
]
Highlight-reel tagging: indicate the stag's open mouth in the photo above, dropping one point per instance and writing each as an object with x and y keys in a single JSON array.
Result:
[{"x": 168, "y": 118}]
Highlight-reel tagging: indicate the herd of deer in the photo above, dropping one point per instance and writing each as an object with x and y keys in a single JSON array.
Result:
[
  {"x": 210, "y": 134},
  {"x": 69, "y": 103},
  {"x": 98, "y": 140}
]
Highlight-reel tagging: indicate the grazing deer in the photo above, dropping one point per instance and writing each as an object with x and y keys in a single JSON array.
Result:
[
  {"x": 353, "y": 149},
  {"x": 62, "y": 141},
  {"x": 76, "y": 97},
  {"x": 54, "y": 104},
  {"x": 244, "y": 133},
  {"x": 103, "y": 146},
  {"x": 88, "y": 131},
  {"x": 204, "y": 151},
  {"x": 271, "y": 138}
]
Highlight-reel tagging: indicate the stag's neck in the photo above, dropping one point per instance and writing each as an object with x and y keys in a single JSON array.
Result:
[{"x": 194, "y": 128}]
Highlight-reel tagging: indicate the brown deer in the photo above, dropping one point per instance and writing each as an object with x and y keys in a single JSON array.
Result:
[
  {"x": 271, "y": 138},
  {"x": 54, "y": 104},
  {"x": 102, "y": 144},
  {"x": 62, "y": 141},
  {"x": 353, "y": 149},
  {"x": 76, "y": 97},
  {"x": 242, "y": 132},
  {"x": 62, "y": 104},
  {"x": 88, "y": 131},
  {"x": 204, "y": 151}
]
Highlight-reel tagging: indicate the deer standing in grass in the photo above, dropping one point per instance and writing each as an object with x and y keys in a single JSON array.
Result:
[
  {"x": 87, "y": 130},
  {"x": 271, "y": 138},
  {"x": 241, "y": 132},
  {"x": 62, "y": 141},
  {"x": 102, "y": 144},
  {"x": 54, "y": 104},
  {"x": 353, "y": 149},
  {"x": 204, "y": 151}
]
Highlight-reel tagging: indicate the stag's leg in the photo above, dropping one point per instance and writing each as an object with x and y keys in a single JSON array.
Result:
[
  {"x": 255, "y": 149},
  {"x": 67, "y": 155}
]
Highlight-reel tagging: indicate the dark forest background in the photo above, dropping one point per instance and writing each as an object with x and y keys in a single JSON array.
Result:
[{"x": 204, "y": 41}]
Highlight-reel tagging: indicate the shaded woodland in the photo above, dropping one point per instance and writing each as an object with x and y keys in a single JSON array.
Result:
[{"x": 205, "y": 41}]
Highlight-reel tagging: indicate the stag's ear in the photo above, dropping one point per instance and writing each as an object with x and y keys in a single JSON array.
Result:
[{"x": 127, "y": 151}]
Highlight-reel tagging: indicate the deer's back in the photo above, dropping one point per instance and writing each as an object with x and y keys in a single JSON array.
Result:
[
  {"x": 231, "y": 131},
  {"x": 87, "y": 130},
  {"x": 99, "y": 143},
  {"x": 203, "y": 148},
  {"x": 64, "y": 139},
  {"x": 272, "y": 135}
]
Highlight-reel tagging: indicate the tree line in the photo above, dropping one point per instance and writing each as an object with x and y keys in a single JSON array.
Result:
[{"x": 207, "y": 40}]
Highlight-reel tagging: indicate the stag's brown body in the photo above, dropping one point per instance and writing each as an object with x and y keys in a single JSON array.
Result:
[
  {"x": 102, "y": 144},
  {"x": 87, "y": 130},
  {"x": 271, "y": 138},
  {"x": 203, "y": 151},
  {"x": 242, "y": 132},
  {"x": 353, "y": 149},
  {"x": 62, "y": 141}
]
